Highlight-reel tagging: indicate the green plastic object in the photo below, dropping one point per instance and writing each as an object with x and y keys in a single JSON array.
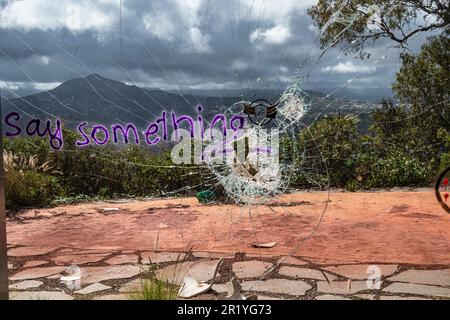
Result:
[{"x": 204, "y": 197}]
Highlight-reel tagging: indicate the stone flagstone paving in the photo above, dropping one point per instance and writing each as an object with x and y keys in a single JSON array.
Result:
[{"x": 118, "y": 274}]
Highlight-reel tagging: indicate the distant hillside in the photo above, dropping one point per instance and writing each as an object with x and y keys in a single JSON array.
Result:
[
  {"x": 103, "y": 100},
  {"x": 97, "y": 99},
  {"x": 362, "y": 94}
]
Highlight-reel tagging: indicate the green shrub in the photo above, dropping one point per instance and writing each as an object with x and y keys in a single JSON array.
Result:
[
  {"x": 444, "y": 160},
  {"x": 326, "y": 152},
  {"x": 395, "y": 169},
  {"x": 29, "y": 189}
]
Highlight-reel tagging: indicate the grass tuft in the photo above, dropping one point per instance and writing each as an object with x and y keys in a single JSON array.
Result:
[{"x": 154, "y": 289}]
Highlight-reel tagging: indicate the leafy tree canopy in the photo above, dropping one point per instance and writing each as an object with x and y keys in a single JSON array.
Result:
[
  {"x": 355, "y": 23},
  {"x": 423, "y": 84}
]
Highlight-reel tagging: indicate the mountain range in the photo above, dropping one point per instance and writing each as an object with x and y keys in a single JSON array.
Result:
[{"x": 97, "y": 99}]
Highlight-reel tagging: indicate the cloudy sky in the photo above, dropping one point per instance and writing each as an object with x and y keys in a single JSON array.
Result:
[{"x": 169, "y": 44}]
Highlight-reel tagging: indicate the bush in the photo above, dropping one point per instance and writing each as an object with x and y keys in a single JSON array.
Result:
[
  {"x": 395, "y": 169},
  {"x": 444, "y": 161},
  {"x": 106, "y": 172},
  {"x": 326, "y": 152},
  {"x": 29, "y": 189}
]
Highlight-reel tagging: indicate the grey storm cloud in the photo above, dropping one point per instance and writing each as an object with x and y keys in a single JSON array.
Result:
[{"x": 200, "y": 44}]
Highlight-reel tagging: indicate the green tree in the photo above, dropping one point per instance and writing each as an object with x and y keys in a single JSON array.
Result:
[
  {"x": 392, "y": 155},
  {"x": 390, "y": 124},
  {"x": 423, "y": 84},
  {"x": 355, "y": 23},
  {"x": 418, "y": 130}
]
